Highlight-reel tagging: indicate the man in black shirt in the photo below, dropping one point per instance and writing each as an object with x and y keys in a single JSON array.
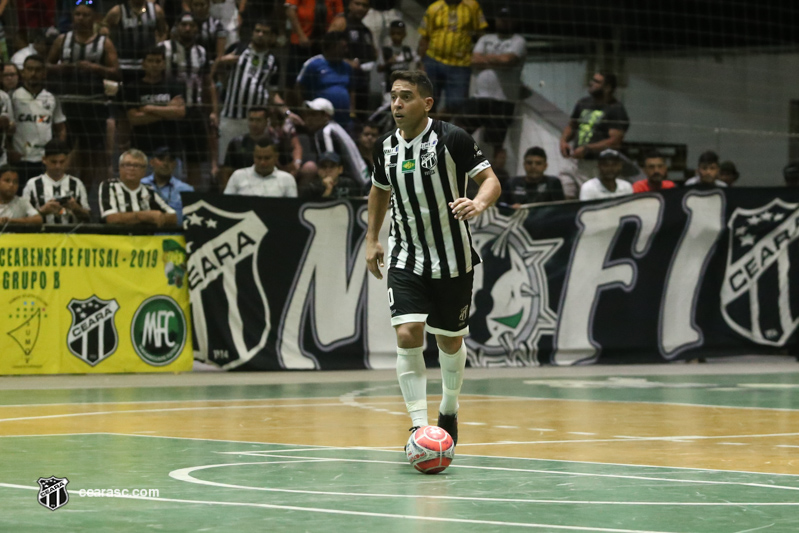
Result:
[
  {"x": 240, "y": 149},
  {"x": 361, "y": 56},
  {"x": 534, "y": 187},
  {"x": 155, "y": 106}
]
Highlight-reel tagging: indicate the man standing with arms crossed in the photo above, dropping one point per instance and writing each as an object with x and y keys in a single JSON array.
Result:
[{"x": 422, "y": 170}]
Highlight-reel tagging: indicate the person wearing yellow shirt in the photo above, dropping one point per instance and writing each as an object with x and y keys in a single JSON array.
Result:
[{"x": 448, "y": 30}]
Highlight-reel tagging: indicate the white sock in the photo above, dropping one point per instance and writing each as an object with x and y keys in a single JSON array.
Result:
[
  {"x": 412, "y": 375},
  {"x": 452, "y": 366}
]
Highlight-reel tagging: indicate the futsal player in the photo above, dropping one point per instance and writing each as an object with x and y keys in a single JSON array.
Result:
[{"x": 421, "y": 169}]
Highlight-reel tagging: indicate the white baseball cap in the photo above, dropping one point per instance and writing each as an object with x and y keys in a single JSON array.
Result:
[{"x": 320, "y": 104}]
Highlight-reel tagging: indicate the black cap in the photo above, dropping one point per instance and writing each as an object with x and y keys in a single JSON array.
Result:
[
  {"x": 609, "y": 153},
  {"x": 333, "y": 157},
  {"x": 163, "y": 152},
  {"x": 504, "y": 12},
  {"x": 397, "y": 24}
]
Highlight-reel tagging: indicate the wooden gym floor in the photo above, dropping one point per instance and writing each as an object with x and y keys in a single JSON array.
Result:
[{"x": 669, "y": 448}]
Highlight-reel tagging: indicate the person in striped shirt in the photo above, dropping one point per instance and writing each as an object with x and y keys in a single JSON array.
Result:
[
  {"x": 421, "y": 170},
  {"x": 59, "y": 197},
  {"x": 127, "y": 201}
]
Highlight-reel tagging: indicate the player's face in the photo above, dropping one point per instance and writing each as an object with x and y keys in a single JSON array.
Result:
[
  {"x": 397, "y": 35},
  {"x": 33, "y": 73},
  {"x": 359, "y": 9},
  {"x": 132, "y": 170},
  {"x": 153, "y": 65},
  {"x": 199, "y": 9},
  {"x": 256, "y": 123},
  {"x": 708, "y": 172},
  {"x": 368, "y": 138},
  {"x": 535, "y": 166},
  {"x": 55, "y": 165},
  {"x": 9, "y": 183},
  {"x": 609, "y": 168},
  {"x": 187, "y": 31},
  {"x": 264, "y": 159},
  {"x": 655, "y": 169},
  {"x": 262, "y": 36},
  {"x": 408, "y": 107},
  {"x": 82, "y": 17}
]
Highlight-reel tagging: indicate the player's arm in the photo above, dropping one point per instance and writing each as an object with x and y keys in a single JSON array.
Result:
[
  {"x": 174, "y": 110},
  {"x": 111, "y": 20},
  {"x": 487, "y": 195},
  {"x": 377, "y": 206}
]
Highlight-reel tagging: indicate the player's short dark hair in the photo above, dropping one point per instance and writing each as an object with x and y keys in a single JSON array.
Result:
[
  {"x": 155, "y": 51},
  {"x": 610, "y": 78},
  {"x": 654, "y": 154},
  {"x": 415, "y": 77},
  {"x": 708, "y": 157},
  {"x": 272, "y": 25},
  {"x": 33, "y": 57},
  {"x": 536, "y": 151},
  {"x": 264, "y": 141},
  {"x": 56, "y": 147},
  {"x": 7, "y": 168}
]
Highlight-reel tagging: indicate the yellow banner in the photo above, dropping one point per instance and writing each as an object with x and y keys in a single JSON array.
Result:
[{"x": 79, "y": 304}]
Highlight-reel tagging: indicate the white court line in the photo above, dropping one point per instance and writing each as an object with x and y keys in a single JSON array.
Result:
[
  {"x": 184, "y": 474},
  {"x": 372, "y": 515},
  {"x": 675, "y": 438}
]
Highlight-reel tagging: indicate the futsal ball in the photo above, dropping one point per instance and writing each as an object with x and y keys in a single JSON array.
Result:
[{"x": 430, "y": 449}]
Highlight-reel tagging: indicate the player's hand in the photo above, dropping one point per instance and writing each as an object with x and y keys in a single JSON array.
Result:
[
  {"x": 466, "y": 209},
  {"x": 374, "y": 258},
  {"x": 72, "y": 204},
  {"x": 52, "y": 207}
]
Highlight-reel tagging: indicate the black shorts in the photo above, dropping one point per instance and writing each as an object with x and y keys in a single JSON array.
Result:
[{"x": 443, "y": 304}]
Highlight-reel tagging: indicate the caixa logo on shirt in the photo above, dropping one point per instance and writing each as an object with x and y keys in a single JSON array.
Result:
[{"x": 39, "y": 119}]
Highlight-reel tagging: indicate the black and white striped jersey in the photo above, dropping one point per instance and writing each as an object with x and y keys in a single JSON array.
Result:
[
  {"x": 77, "y": 85},
  {"x": 135, "y": 33},
  {"x": 41, "y": 189},
  {"x": 189, "y": 66},
  {"x": 249, "y": 81},
  {"x": 424, "y": 175},
  {"x": 209, "y": 32},
  {"x": 115, "y": 197}
]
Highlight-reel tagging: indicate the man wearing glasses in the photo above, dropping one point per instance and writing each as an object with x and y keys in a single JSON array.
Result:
[
  {"x": 598, "y": 123},
  {"x": 126, "y": 201}
]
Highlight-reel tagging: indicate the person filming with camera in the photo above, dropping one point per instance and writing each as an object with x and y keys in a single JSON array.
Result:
[{"x": 58, "y": 197}]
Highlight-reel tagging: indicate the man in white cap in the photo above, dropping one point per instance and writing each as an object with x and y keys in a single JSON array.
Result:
[
  {"x": 329, "y": 136},
  {"x": 607, "y": 184}
]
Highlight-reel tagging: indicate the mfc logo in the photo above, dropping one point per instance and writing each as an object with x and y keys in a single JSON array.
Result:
[{"x": 158, "y": 331}]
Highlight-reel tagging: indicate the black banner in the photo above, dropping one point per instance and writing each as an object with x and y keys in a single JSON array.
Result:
[{"x": 278, "y": 284}]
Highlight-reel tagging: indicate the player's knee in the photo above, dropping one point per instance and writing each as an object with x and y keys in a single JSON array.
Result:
[
  {"x": 449, "y": 345},
  {"x": 410, "y": 335}
]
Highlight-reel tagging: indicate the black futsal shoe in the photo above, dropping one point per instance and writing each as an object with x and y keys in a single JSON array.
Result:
[{"x": 449, "y": 423}]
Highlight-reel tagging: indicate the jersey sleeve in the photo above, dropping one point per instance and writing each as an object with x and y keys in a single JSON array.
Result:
[
  {"x": 157, "y": 203},
  {"x": 83, "y": 197},
  {"x": 108, "y": 204},
  {"x": 467, "y": 155},
  {"x": 58, "y": 114},
  {"x": 379, "y": 178}
]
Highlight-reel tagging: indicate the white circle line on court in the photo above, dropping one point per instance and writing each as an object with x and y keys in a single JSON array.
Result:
[
  {"x": 185, "y": 474},
  {"x": 370, "y": 514}
]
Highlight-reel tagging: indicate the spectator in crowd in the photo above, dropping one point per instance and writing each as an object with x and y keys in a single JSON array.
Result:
[
  {"x": 282, "y": 129},
  {"x": 164, "y": 182},
  {"x": 607, "y": 184},
  {"x": 40, "y": 41},
  {"x": 135, "y": 26},
  {"x": 447, "y": 32},
  {"x": 239, "y": 150},
  {"x": 728, "y": 173},
  {"x": 381, "y": 16},
  {"x": 598, "y": 122},
  {"x": 309, "y": 21},
  {"x": 328, "y": 183},
  {"x": 212, "y": 34},
  {"x": 187, "y": 62},
  {"x": 497, "y": 60},
  {"x": 10, "y": 78},
  {"x": 126, "y": 201},
  {"x": 253, "y": 73},
  {"x": 79, "y": 62},
  {"x": 39, "y": 119},
  {"x": 366, "y": 143},
  {"x": 361, "y": 55},
  {"x": 155, "y": 105},
  {"x": 655, "y": 170},
  {"x": 397, "y": 56},
  {"x": 227, "y": 12},
  {"x": 707, "y": 172},
  {"x": 329, "y": 136},
  {"x": 6, "y": 124},
  {"x": 14, "y": 209},
  {"x": 262, "y": 179},
  {"x": 328, "y": 76},
  {"x": 535, "y": 186},
  {"x": 791, "y": 174},
  {"x": 59, "y": 197}
]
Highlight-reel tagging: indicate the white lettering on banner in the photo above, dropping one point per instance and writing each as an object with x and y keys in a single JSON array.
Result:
[
  {"x": 588, "y": 277},
  {"x": 678, "y": 330}
]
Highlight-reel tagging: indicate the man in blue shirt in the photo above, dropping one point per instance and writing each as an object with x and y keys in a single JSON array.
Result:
[
  {"x": 164, "y": 183},
  {"x": 328, "y": 76}
]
